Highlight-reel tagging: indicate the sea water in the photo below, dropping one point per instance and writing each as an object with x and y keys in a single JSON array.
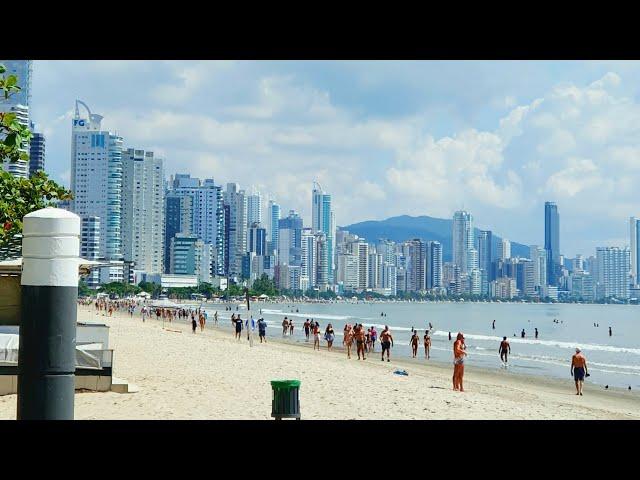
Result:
[{"x": 612, "y": 360}]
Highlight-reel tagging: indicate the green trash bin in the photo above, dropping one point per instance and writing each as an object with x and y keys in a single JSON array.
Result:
[{"x": 286, "y": 399}]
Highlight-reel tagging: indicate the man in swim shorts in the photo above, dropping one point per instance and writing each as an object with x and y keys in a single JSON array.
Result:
[
  {"x": 360, "y": 338},
  {"x": 262, "y": 330},
  {"x": 579, "y": 370},
  {"x": 386, "y": 339},
  {"x": 504, "y": 349}
]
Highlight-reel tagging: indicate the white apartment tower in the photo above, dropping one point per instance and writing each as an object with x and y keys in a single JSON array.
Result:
[
  {"x": 143, "y": 210},
  {"x": 462, "y": 239}
]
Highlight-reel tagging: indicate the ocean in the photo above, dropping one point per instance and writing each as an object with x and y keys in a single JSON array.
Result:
[{"x": 612, "y": 360}]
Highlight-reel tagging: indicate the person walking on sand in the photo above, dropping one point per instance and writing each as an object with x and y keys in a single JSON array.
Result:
[
  {"x": 347, "y": 339},
  {"x": 329, "y": 336},
  {"x": 414, "y": 343},
  {"x": 579, "y": 370},
  {"x": 427, "y": 344},
  {"x": 262, "y": 330},
  {"x": 194, "y": 324},
  {"x": 316, "y": 336},
  {"x": 215, "y": 318},
  {"x": 386, "y": 339},
  {"x": 291, "y": 328},
  {"x": 285, "y": 326},
  {"x": 374, "y": 337},
  {"x": 238, "y": 325},
  {"x": 360, "y": 339},
  {"x": 504, "y": 350},
  {"x": 458, "y": 362}
]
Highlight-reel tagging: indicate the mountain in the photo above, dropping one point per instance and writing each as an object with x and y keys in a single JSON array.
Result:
[{"x": 426, "y": 228}]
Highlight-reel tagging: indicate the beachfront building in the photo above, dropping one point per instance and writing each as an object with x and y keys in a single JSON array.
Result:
[
  {"x": 190, "y": 256},
  {"x": 525, "y": 277},
  {"x": 416, "y": 265},
  {"x": 462, "y": 237},
  {"x": 613, "y": 272},
  {"x": 308, "y": 260},
  {"x": 634, "y": 231},
  {"x": 274, "y": 218},
  {"x": 290, "y": 239},
  {"x": 504, "y": 249},
  {"x": 552, "y": 241},
  {"x": 581, "y": 286},
  {"x": 485, "y": 257},
  {"x": 504, "y": 288},
  {"x": 538, "y": 256},
  {"x": 434, "y": 265},
  {"x": 143, "y": 216},
  {"x": 37, "y": 148},
  {"x": 362, "y": 251},
  {"x": 178, "y": 218},
  {"x": 236, "y": 199},
  {"x": 347, "y": 272},
  {"x": 18, "y": 103},
  {"x": 323, "y": 220},
  {"x": 90, "y": 246},
  {"x": 96, "y": 181},
  {"x": 254, "y": 208}
]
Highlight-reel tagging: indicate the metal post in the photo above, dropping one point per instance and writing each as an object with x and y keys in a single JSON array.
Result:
[{"x": 46, "y": 356}]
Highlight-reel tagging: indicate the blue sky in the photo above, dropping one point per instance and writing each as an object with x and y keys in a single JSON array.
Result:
[{"x": 385, "y": 138}]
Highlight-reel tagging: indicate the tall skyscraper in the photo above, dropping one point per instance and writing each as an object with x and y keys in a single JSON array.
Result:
[
  {"x": 96, "y": 178},
  {"x": 178, "y": 218},
  {"x": 634, "y": 224},
  {"x": 322, "y": 220},
  {"x": 613, "y": 272},
  {"x": 552, "y": 241},
  {"x": 36, "y": 153},
  {"x": 538, "y": 256},
  {"x": 434, "y": 265},
  {"x": 254, "y": 208},
  {"x": 208, "y": 221},
  {"x": 18, "y": 103},
  {"x": 290, "y": 239},
  {"x": 237, "y": 201},
  {"x": 417, "y": 265},
  {"x": 504, "y": 249},
  {"x": 309, "y": 260},
  {"x": 257, "y": 240},
  {"x": 143, "y": 210},
  {"x": 462, "y": 239},
  {"x": 274, "y": 218}
]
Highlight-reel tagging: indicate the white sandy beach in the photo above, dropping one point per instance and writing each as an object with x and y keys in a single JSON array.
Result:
[{"x": 212, "y": 376}]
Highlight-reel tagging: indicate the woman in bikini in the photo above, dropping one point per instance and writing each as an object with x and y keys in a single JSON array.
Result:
[
  {"x": 458, "y": 362},
  {"x": 427, "y": 344}
]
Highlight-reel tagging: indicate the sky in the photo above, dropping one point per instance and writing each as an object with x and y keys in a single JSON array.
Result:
[{"x": 385, "y": 138}]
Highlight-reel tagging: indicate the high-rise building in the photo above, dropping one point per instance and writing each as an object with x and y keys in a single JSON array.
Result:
[
  {"x": 290, "y": 239},
  {"x": 309, "y": 260},
  {"x": 613, "y": 272},
  {"x": 323, "y": 220},
  {"x": 96, "y": 178},
  {"x": 581, "y": 286},
  {"x": 237, "y": 201},
  {"x": 274, "y": 217},
  {"x": 190, "y": 256},
  {"x": 538, "y": 256},
  {"x": 485, "y": 257},
  {"x": 434, "y": 265},
  {"x": 18, "y": 103},
  {"x": 362, "y": 250},
  {"x": 552, "y": 241},
  {"x": 36, "y": 153},
  {"x": 208, "y": 220},
  {"x": 178, "y": 218},
  {"x": 257, "y": 239},
  {"x": 254, "y": 208},
  {"x": 634, "y": 230},
  {"x": 504, "y": 249},
  {"x": 417, "y": 265},
  {"x": 462, "y": 239},
  {"x": 143, "y": 210},
  {"x": 90, "y": 246}
]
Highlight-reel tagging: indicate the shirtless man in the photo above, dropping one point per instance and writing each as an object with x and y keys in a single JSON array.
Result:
[
  {"x": 579, "y": 370},
  {"x": 360, "y": 339},
  {"x": 386, "y": 339},
  {"x": 307, "y": 326},
  {"x": 414, "y": 343},
  {"x": 347, "y": 339},
  {"x": 285, "y": 326},
  {"x": 427, "y": 344},
  {"x": 504, "y": 349},
  {"x": 458, "y": 362}
]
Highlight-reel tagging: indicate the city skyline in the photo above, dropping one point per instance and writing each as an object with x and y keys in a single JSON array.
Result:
[{"x": 330, "y": 121}]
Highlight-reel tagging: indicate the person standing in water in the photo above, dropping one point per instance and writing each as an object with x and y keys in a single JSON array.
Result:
[
  {"x": 504, "y": 349},
  {"x": 609, "y": 331},
  {"x": 458, "y": 362},
  {"x": 579, "y": 370},
  {"x": 493, "y": 326},
  {"x": 536, "y": 332},
  {"x": 307, "y": 326},
  {"x": 427, "y": 344},
  {"x": 285, "y": 326},
  {"x": 414, "y": 343},
  {"x": 522, "y": 334},
  {"x": 291, "y": 328},
  {"x": 449, "y": 336}
]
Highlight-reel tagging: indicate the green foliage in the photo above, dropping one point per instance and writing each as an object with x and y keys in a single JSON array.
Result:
[
  {"x": 83, "y": 289},
  {"x": 150, "y": 287},
  {"x": 264, "y": 286},
  {"x": 120, "y": 289},
  {"x": 19, "y": 196}
]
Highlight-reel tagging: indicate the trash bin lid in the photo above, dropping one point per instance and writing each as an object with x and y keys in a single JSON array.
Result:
[{"x": 285, "y": 383}]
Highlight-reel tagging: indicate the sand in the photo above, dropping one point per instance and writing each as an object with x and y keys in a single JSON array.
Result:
[{"x": 181, "y": 375}]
